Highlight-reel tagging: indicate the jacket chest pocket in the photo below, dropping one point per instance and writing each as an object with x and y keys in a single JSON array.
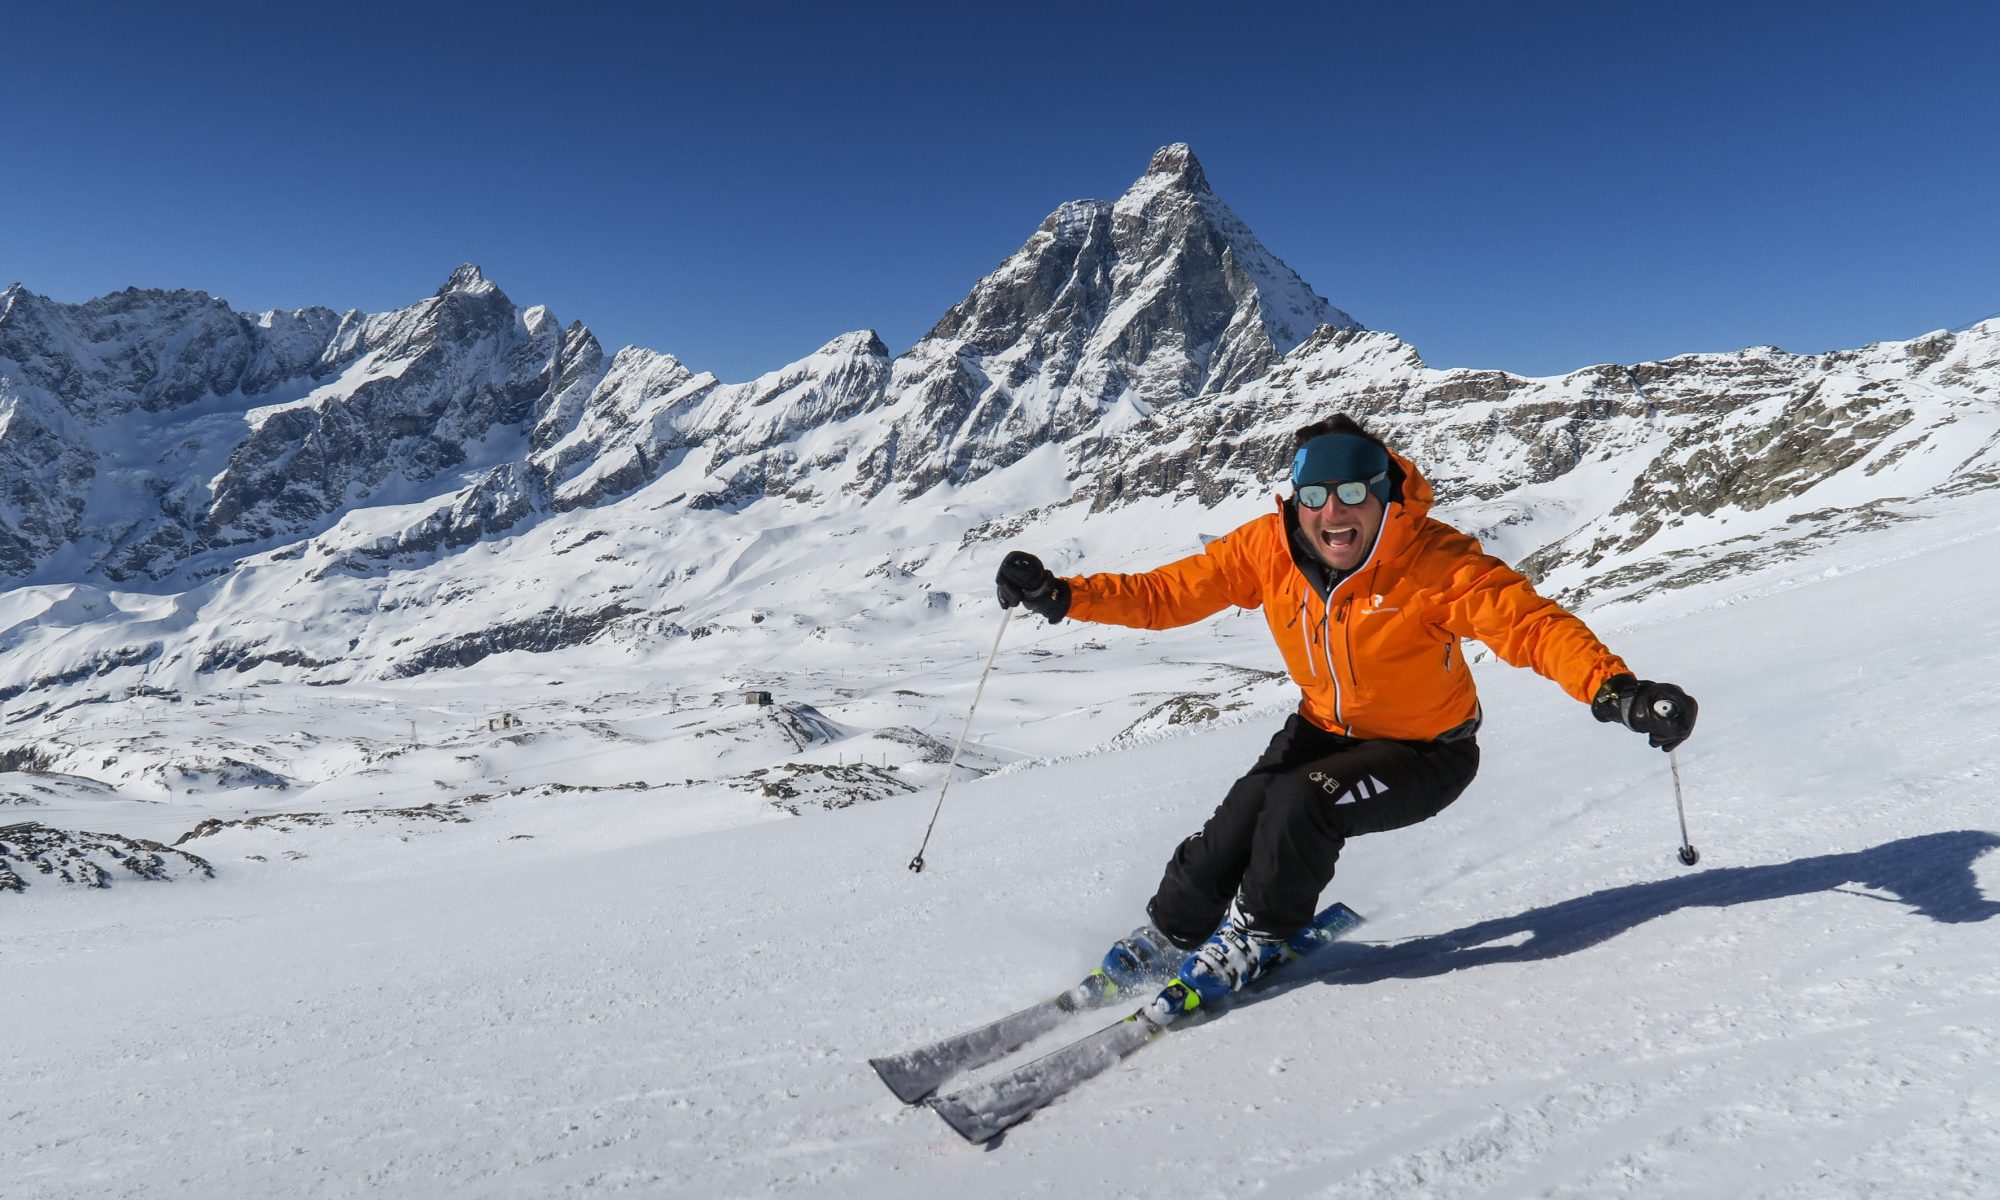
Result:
[{"x": 1389, "y": 649}]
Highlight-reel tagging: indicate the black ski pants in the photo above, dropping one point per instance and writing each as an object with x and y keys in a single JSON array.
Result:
[{"x": 1278, "y": 833}]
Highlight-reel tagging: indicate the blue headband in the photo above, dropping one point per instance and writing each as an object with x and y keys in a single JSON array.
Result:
[{"x": 1334, "y": 457}]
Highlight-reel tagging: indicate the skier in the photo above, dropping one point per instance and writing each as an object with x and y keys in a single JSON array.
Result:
[{"x": 1367, "y": 596}]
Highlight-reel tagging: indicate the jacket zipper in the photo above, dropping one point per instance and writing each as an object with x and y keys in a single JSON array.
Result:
[
  {"x": 1305, "y": 640},
  {"x": 1347, "y": 642},
  {"x": 1332, "y": 672}
]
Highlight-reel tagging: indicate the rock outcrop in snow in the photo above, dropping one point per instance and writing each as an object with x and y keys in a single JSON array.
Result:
[{"x": 32, "y": 853}]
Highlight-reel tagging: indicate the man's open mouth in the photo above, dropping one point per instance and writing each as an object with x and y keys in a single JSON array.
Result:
[{"x": 1341, "y": 538}]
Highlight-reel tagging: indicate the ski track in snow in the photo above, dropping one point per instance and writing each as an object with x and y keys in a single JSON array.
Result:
[{"x": 1544, "y": 1003}]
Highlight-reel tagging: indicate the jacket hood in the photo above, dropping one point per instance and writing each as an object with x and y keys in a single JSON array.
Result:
[{"x": 1412, "y": 491}]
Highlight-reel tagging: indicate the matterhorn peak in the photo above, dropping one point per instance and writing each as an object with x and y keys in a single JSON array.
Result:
[
  {"x": 1106, "y": 313},
  {"x": 1177, "y": 163}
]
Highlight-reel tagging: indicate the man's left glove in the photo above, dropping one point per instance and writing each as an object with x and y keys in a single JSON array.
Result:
[
  {"x": 1661, "y": 711},
  {"x": 1024, "y": 580}
]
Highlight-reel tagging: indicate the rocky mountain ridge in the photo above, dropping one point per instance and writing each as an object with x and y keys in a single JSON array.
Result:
[
  {"x": 261, "y": 429},
  {"x": 1613, "y": 477}
]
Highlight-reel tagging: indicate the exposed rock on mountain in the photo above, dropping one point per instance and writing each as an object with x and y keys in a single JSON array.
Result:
[
  {"x": 151, "y": 435},
  {"x": 1109, "y": 311},
  {"x": 1699, "y": 450},
  {"x": 540, "y": 634},
  {"x": 262, "y": 428}
]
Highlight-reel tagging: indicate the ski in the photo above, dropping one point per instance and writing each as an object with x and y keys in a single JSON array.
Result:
[
  {"x": 915, "y": 1074},
  {"x": 982, "y": 1111}
]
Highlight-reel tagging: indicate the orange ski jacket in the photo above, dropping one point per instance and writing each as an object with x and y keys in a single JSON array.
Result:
[{"x": 1375, "y": 654}]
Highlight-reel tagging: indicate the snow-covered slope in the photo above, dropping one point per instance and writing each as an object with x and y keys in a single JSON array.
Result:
[{"x": 1545, "y": 1002}]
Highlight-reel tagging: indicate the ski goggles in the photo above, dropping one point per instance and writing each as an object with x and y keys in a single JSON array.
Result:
[
  {"x": 1342, "y": 465},
  {"x": 1352, "y": 491}
]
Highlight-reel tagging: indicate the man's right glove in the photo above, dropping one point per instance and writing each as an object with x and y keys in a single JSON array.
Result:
[
  {"x": 1024, "y": 580},
  {"x": 1661, "y": 711}
]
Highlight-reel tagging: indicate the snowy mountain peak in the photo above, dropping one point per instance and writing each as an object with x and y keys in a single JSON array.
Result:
[
  {"x": 861, "y": 341},
  {"x": 1177, "y": 165},
  {"x": 1172, "y": 212},
  {"x": 1107, "y": 312},
  {"x": 467, "y": 278}
]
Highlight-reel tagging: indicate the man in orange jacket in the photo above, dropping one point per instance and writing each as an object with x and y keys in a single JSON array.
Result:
[{"x": 1367, "y": 597}]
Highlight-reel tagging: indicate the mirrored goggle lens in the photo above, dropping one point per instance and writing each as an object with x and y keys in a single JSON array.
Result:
[{"x": 1313, "y": 495}]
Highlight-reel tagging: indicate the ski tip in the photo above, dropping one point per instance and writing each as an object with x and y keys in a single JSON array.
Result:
[
  {"x": 1343, "y": 916},
  {"x": 907, "y": 1087},
  {"x": 976, "y": 1127}
]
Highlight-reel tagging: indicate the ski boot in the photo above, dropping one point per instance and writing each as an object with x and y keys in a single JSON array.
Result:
[
  {"x": 1231, "y": 957},
  {"x": 1143, "y": 956}
]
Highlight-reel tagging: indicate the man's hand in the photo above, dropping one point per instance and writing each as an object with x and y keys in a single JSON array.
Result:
[
  {"x": 1661, "y": 711},
  {"x": 1023, "y": 579}
]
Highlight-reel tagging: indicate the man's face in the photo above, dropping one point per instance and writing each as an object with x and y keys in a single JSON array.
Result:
[{"x": 1341, "y": 534}]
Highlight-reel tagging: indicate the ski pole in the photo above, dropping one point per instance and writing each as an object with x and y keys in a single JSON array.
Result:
[
  {"x": 917, "y": 863},
  {"x": 1688, "y": 854}
]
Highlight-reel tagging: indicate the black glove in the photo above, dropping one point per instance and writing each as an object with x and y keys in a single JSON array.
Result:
[
  {"x": 1024, "y": 580},
  {"x": 1661, "y": 711}
]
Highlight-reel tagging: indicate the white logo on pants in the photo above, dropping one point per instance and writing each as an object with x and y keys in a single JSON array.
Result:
[{"x": 1361, "y": 789}]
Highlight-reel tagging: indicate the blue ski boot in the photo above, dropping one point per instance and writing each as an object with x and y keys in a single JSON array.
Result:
[
  {"x": 1231, "y": 957},
  {"x": 1143, "y": 956},
  {"x": 1140, "y": 956}
]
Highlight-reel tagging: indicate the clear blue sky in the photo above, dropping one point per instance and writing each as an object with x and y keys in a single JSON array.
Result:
[{"x": 1529, "y": 186}]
